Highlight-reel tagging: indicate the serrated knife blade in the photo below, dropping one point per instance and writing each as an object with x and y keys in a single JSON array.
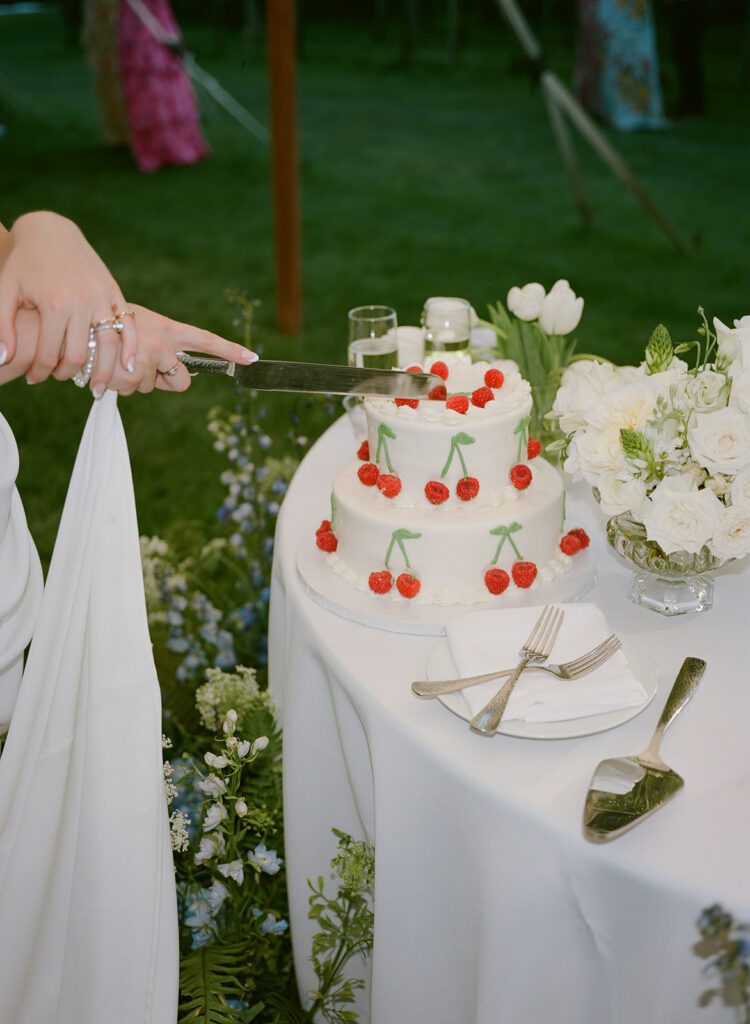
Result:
[{"x": 317, "y": 378}]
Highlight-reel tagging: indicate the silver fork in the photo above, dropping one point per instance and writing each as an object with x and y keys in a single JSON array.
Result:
[
  {"x": 537, "y": 648},
  {"x": 574, "y": 669}
]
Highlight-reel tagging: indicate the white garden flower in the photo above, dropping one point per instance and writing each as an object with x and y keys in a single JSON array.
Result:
[
  {"x": 707, "y": 391},
  {"x": 739, "y": 491},
  {"x": 216, "y": 760},
  {"x": 584, "y": 383},
  {"x": 235, "y": 870},
  {"x": 731, "y": 537},
  {"x": 217, "y": 894},
  {"x": 240, "y": 808},
  {"x": 214, "y": 816},
  {"x": 526, "y": 302},
  {"x": 734, "y": 343},
  {"x": 720, "y": 441},
  {"x": 260, "y": 744},
  {"x": 679, "y": 517},
  {"x": 599, "y": 451},
  {"x": 627, "y": 407},
  {"x": 740, "y": 393},
  {"x": 561, "y": 309},
  {"x": 620, "y": 492},
  {"x": 213, "y": 786},
  {"x": 243, "y": 748},
  {"x": 267, "y": 860},
  {"x": 210, "y": 847}
]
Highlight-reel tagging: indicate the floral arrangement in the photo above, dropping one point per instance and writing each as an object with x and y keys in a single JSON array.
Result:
[
  {"x": 533, "y": 331},
  {"x": 667, "y": 443},
  {"x": 725, "y": 946}
]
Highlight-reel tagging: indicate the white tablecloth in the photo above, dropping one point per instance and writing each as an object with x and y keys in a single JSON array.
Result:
[{"x": 489, "y": 904}]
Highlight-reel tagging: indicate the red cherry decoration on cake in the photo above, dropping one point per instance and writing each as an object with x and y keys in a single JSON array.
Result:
[
  {"x": 324, "y": 527},
  {"x": 467, "y": 488},
  {"x": 533, "y": 448},
  {"x": 524, "y": 574},
  {"x": 411, "y": 402},
  {"x": 481, "y": 397},
  {"x": 494, "y": 378},
  {"x": 408, "y": 585},
  {"x": 520, "y": 477},
  {"x": 582, "y": 536},
  {"x": 496, "y": 580},
  {"x": 388, "y": 485},
  {"x": 414, "y": 368},
  {"x": 326, "y": 541},
  {"x": 440, "y": 369},
  {"x": 439, "y": 393},
  {"x": 363, "y": 452},
  {"x": 570, "y": 544},
  {"x": 380, "y": 582},
  {"x": 436, "y": 493},
  {"x": 368, "y": 474},
  {"x": 458, "y": 403}
]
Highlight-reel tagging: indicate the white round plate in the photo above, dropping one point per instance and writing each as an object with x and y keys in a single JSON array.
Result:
[
  {"x": 397, "y": 615},
  {"x": 440, "y": 665}
]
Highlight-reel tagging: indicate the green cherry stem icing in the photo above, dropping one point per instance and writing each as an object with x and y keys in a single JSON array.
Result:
[
  {"x": 384, "y": 432},
  {"x": 456, "y": 441},
  {"x": 398, "y": 537},
  {"x": 523, "y": 435},
  {"x": 504, "y": 533}
]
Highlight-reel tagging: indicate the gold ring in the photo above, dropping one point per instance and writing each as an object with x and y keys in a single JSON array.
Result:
[
  {"x": 125, "y": 312},
  {"x": 171, "y": 371},
  {"x": 109, "y": 323}
]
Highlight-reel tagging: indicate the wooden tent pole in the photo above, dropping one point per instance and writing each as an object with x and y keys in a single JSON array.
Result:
[{"x": 280, "y": 19}]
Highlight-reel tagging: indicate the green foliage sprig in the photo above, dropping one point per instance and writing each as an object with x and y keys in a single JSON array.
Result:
[{"x": 724, "y": 945}]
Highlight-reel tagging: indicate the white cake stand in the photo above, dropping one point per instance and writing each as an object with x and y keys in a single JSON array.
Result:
[{"x": 397, "y": 615}]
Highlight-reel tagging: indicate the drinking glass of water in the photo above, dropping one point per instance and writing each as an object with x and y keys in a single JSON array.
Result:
[
  {"x": 447, "y": 327},
  {"x": 373, "y": 337}
]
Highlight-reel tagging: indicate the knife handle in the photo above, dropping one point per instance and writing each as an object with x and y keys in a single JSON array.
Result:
[{"x": 203, "y": 364}]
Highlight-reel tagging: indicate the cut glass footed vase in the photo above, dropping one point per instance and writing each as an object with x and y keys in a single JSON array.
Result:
[{"x": 676, "y": 584}]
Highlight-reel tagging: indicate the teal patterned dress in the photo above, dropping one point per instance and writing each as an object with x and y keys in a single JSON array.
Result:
[{"x": 617, "y": 73}]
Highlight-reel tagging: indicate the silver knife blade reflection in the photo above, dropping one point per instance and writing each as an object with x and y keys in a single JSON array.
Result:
[{"x": 317, "y": 378}]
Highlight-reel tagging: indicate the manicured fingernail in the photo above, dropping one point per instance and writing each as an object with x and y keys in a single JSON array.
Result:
[
  {"x": 250, "y": 357},
  {"x": 3, "y": 353},
  {"x": 98, "y": 390},
  {"x": 131, "y": 364}
]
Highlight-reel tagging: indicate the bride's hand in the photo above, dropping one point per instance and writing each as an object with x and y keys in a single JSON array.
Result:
[{"x": 51, "y": 268}]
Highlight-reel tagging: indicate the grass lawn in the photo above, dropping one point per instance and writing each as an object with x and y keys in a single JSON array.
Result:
[{"x": 415, "y": 183}]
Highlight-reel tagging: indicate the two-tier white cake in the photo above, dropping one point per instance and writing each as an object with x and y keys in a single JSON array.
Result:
[{"x": 448, "y": 501}]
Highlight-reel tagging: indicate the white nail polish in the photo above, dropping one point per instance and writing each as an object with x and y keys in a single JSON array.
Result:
[
  {"x": 98, "y": 391},
  {"x": 131, "y": 364},
  {"x": 250, "y": 357},
  {"x": 3, "y": 354}
]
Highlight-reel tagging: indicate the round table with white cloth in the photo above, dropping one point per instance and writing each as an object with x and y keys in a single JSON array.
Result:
[{"x": 489, "y": 904}]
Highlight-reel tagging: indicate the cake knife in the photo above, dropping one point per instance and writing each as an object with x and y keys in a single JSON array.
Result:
[{"x": 317, "y": 378}]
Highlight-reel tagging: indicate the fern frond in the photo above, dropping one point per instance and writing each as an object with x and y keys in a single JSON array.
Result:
[{"x": 209, "y": 977}]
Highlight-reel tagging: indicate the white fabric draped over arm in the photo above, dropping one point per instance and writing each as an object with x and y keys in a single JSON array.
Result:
[{"x": 20, "y": 579}]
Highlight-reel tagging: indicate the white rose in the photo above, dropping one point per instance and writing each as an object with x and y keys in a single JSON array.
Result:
[
  {"x": 720, "y": 441},
  {"x": 739, "y": 396},
  {"x": 739, "y": 492},
  {"x": 707, "y": 391},
  {"x": 526, "y": 302},
  {"x": 583, "y": 385},
  {"x": 620, "y": 492},
  {"x": 679, "y": 517},
  {"x": 561, "y": 309},
  {"x": 629, "y": 406},
  {"x": 599, "y": 452},
  {"x": 731, "y": 537}
]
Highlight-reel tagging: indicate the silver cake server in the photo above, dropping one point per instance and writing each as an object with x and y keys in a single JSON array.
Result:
[
  {"x": 625, "y": 790},
  {"x": 317, "y": 378}
]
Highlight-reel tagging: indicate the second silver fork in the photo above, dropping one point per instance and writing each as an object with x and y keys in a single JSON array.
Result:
[{"x": 537, "y": 648}]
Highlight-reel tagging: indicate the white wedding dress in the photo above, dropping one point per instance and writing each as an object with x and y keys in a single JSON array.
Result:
[{"x": 88, "y": 919}]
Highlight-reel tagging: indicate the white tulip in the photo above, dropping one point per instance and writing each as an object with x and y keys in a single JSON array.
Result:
[
  {"x": 561, "y": 309},
  {"x": 679, "y": 517},
  {"x": 720, "y": 441},
  {"x": 526, "y": 302}
]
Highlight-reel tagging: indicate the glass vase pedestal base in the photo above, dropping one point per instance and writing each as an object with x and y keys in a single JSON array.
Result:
[{"x": 676, "y": 596}]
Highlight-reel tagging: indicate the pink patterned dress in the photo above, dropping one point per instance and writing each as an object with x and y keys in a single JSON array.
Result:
[{"x": 162, "y": 109}]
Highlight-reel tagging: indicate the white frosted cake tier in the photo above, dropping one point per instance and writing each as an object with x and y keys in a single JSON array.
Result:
[
  {"x": 435, "y": 444},
  {"x": 447, "y": 549}
]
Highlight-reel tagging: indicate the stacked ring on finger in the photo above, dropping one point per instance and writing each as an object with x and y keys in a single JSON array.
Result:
[
  {"x": 83, "y": 376},
  {"x": 171, "y": 371},
  {"x": 109, "y": 323}
]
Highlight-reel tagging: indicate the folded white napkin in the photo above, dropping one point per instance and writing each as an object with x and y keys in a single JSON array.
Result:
[{"x": 483, "y": 641}]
